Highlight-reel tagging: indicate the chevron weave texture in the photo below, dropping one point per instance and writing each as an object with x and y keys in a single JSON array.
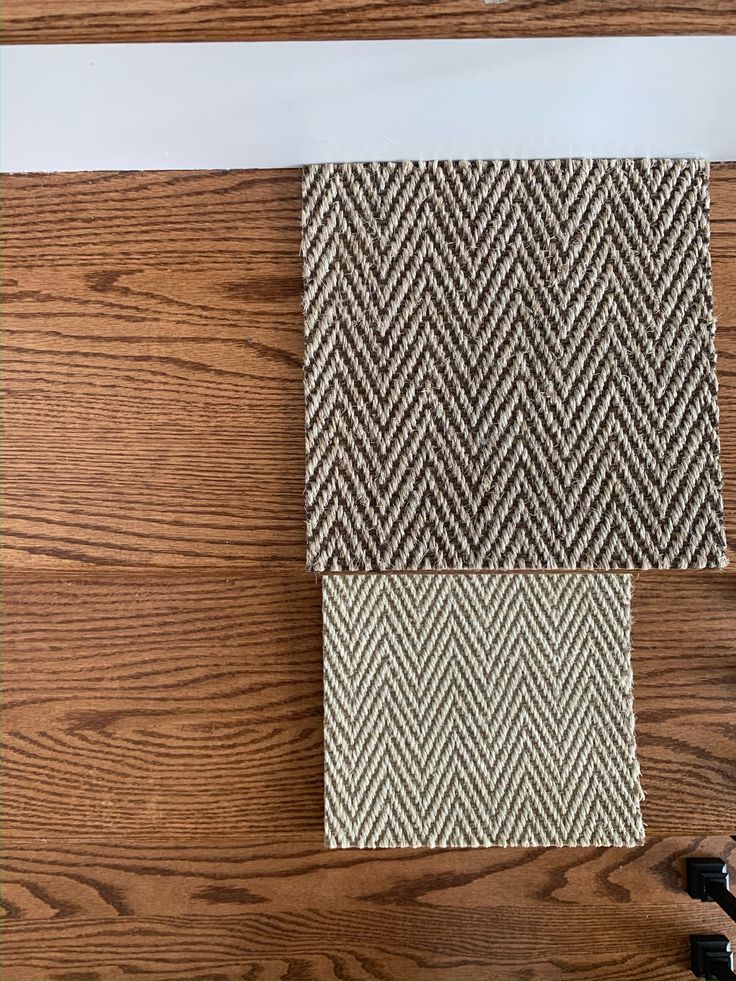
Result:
[
  {"x": 467, "y": 710},
  {"x": 510, "y": 365}
]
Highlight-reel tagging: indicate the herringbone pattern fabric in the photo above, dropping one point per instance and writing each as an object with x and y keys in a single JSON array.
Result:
[
  {"x": 479, "y": 710},
  {"x": 510, "y": 365}
]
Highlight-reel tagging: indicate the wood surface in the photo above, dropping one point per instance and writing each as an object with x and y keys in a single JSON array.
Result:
[
  {"x": 292, "y": 911},
  {"x": 162, "y": 662},
  {"x": 45, "y": 21}
]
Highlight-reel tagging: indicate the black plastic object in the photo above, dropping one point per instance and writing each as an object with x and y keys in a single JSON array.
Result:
[
  {"x": 711, "y": 957},
  {"x": 707, "y": 880}
]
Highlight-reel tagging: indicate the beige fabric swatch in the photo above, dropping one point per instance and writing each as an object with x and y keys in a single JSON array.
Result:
[{"x": 466, "y": 710}]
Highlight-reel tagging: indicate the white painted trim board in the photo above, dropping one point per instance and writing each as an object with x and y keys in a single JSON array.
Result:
[{"x": 284, "y": 104}]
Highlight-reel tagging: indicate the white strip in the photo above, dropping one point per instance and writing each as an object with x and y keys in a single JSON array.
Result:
[{"x": 175, "y": 106}]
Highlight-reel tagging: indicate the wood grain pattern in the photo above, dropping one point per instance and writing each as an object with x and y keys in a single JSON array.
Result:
[
  {"x": 684, "y": 655},
  {"x": 37, "y": 21},
  {"x": 369, "y": 942},
  {"x": 154, "y": 404},
  {"x": 213, "y": 878},
  {"x": 163, "y": 754},
  {"x": 186, "y": 707},
  {"x": 233, "y": 911}
]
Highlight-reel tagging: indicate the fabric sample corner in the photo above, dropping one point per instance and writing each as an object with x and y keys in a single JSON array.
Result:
[
  {"x": 475, "y": 710},
  {"x": 510, "y": 364}
]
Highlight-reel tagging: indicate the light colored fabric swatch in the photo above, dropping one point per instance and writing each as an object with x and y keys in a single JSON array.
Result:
[
  {"x": 510, "y": 365},
  {"x": 466, "y": 710}
]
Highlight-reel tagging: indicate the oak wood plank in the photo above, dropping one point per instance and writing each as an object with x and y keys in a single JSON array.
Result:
[
  {"x": 154, "y": 338},
  {"x": 153, "y": 351},
  {"x": 44, "y": 21},
  {"x": 287, "y": 908},
  {"x": 92, "y": 879},
  {"x": 684, "y": 655},
  {"x": 391, "y": 943},
  {"x": 175, "y": 706},
  {"x": 169, "y": 705}
]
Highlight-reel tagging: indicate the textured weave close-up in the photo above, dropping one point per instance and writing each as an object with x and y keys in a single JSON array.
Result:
[
  {"x": 510, "y": 364},
  {"x": 473, "y": 710}
]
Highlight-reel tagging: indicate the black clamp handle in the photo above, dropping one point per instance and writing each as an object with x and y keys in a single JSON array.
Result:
[
  {"x": 707, "y": 880},
  {"x": 711, "y": 957}
]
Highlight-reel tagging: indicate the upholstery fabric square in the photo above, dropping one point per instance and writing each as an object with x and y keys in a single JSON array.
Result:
[
  {"x": 471, "y": 710},
  {"x": 510, "y": 365}
]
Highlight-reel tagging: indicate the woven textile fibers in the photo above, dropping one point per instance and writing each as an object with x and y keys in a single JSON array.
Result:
[
  {"x": 465, "y": 710},
  {"x": 510, "y": 365}
]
